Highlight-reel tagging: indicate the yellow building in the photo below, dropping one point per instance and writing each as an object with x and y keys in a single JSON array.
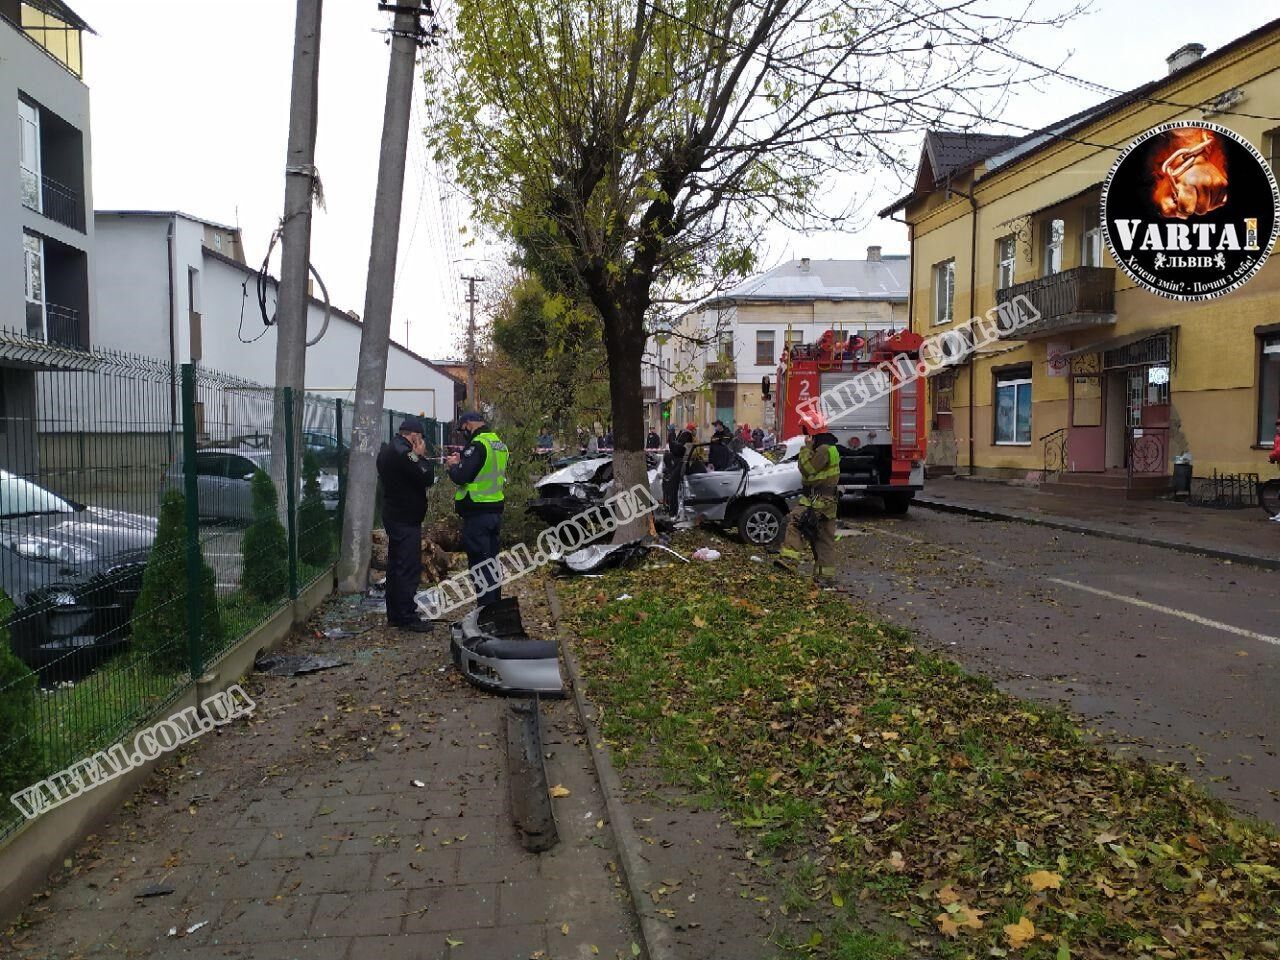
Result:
[{"x": 1113, "y": 382}]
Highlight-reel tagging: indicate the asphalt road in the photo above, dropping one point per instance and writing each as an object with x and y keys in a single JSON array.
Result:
[{"x": 1172, "y": 655}]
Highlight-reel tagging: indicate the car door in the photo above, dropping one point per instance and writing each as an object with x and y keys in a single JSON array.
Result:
[
  {"x": 211, "y": 484},
  {"x": 708, "y": 494},
  {"x": 240, "y": 471}
]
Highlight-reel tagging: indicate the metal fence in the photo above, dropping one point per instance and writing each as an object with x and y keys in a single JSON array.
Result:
[{"x": 141, "y": 536}]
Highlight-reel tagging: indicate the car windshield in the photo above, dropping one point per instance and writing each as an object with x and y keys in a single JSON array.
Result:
[
  {"x": 21, "y": 498},
  {"x": 754, "y": 460}
]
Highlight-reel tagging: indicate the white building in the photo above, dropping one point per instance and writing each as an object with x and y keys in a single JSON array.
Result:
[
  {"x": 732, "y": 343},
  {"x": 176, "y": 287}
]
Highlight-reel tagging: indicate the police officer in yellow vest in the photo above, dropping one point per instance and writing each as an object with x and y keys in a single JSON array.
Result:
[
  {"x": 480, "y": 473},
  {"x": 814, "y": 518}
]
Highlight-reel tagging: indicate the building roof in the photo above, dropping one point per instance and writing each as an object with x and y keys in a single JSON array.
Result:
[
  {"x": 946, "y": 153},
  {"x": 341, "y": 314},
  {"x": 56, "y": 8},
  {"x": 998, "y": 155},
  {"x": 167, "y": 215},
  {"x": 808, "y": 280}
]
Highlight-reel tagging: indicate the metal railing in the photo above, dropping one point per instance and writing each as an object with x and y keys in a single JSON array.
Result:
[
  {"x": 719, "y": 370},
  {"x": 1080, "y": 290},
  {"x": 143, "y": 539},
  {"x": 62, "y": 326},
  {"x": 1055, "y": 453},
  {"x": 61, "y": 203}
]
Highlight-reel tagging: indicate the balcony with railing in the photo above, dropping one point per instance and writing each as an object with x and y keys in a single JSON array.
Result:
[
  {"x": 57, "y": 201},
  {"x": 62, "y": 326},
  {"x": 719, "y": 371},
  {"x": 1074, "y": 299}
]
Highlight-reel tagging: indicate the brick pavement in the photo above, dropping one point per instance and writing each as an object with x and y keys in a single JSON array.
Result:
[
  {"x": 300, "y": 833},
  {"x": 1245, "y": 532}
]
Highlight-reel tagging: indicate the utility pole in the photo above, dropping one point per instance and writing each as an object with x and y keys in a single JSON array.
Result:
[
  {"x": 371, "y": 375},
  {"x": 472, "y": 299},
  {"x": 295, "y": 230}
]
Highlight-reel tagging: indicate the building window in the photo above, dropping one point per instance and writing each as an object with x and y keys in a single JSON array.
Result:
[
  {"x": 33, "y": 283},
  {"x": 943, "y": 390},
  {"x": 1269, "y": 390},
  {"x": 1013, "y": 406},
  {"x": 764, "y": 348},
  {"x": 944, "y": 291},
  {"x": 1271, "y": 147},
  {"x": 724, "y": 348},
  {"x": 1055, "y": 232},
  {"x": 1091, "y": 237},
  {"x": 29, "y": 154},
  {"x": 794, "y": 337},
  {"x": 1006, "y": 258}
]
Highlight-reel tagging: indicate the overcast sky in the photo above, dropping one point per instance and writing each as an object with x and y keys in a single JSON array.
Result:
[{"x": 190, "y": 102}]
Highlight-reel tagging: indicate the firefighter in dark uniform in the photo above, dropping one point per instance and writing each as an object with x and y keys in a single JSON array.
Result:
[
  {"x": 405, "y": 474},
  {"x": 814, "y": 518},
  {"x": 480, "y": 473}
]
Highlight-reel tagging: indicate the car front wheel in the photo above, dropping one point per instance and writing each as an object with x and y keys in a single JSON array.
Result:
[{"x": 762, "y": 524}]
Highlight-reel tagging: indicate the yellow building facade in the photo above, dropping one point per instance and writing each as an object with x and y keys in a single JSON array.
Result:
[{"x": 1112, "y": 381}]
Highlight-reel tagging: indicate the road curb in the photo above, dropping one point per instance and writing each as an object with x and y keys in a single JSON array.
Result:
[
  {"x": 654, "y": 933},
  {"x": 1257, "y": 560}
]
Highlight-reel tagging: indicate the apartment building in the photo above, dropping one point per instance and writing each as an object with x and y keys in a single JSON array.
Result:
[
  {"x": 724, "y": 360},
  {"x": 46, "y": 240},
  {"x": 1114, "y": 381}
]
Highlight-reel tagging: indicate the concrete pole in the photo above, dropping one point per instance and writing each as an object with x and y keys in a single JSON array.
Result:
[
  {"x": 473, "y": 401},
  {"x": 295, "y": 256},
  {"x": 371, "y": 376}
]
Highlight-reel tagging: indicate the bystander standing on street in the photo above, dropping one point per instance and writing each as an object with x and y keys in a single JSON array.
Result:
[
  {"x": 405, "y": 474},
  {"x": 480, "y": 472}
]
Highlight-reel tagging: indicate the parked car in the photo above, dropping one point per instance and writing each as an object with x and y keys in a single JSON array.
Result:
[
  {"x": 224, "y": 478},
  {"x": 753, "y": 495},
  {"x": 72, "y": 571},
  {"x": 582, "y": 484}
]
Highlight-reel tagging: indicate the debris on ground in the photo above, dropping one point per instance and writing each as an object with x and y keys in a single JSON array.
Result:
[
  {"x": 605, "y": 556},
  {"x": 705, "y": 553},
  {"x": 294, "y": 665}
]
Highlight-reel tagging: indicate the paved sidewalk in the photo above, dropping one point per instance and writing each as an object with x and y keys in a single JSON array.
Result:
[
  {"x": 1245, "y": 535},
  {"x": 301, "y": 833}
]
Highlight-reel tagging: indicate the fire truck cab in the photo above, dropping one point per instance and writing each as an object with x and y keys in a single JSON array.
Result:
[{"x": 879, "y": 429}]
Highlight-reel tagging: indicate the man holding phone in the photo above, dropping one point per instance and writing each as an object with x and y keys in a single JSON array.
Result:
[{"x": 406, "y": 474}]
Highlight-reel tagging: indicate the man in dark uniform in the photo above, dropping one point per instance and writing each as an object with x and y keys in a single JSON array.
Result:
[
  {"x": 480, "y": 473},
  {"x": 405, "y": 474}
]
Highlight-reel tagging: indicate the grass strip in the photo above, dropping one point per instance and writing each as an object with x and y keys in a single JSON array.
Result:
[{"x": 986, "y": 824}]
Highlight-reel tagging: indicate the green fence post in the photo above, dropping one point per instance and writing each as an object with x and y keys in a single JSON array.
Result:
[
  {"x": 191, "y": 491},
  {"x": 291, "y": 491},
  {"x": 342, "y": 462}
]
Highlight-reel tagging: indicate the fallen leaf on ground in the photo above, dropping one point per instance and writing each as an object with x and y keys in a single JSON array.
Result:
[
  {"x": 558, "y": 791},
  {"x": 1019, "y": 934},
  {"x": 1044, "y": 880}
]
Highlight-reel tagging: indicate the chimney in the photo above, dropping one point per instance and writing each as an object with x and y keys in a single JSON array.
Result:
[
  {"x": 873, "y": 254},
  {"x": 804, "y": 264},
  {"x": 1185, "y": 55}
]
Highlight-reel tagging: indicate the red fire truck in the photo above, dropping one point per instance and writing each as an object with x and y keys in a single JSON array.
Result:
[{"x": 881, "y": 432}]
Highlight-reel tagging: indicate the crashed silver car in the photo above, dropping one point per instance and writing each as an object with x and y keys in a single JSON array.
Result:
[
  {"x": 752, "y": 493},
  {"x": 581, "y": 485}
]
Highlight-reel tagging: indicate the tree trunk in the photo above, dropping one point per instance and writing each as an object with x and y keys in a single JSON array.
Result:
[{"x": 624, "y": 345}]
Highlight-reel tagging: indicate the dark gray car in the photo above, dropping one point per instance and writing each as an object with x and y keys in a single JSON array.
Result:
[
  {"x": 72, "y": 571},
  {"x": 223, "y": 482}
]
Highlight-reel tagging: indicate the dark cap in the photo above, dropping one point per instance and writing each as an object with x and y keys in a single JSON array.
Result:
[
  {"x": 412, "y": 425},
  {"x": 471, "y": 416}
]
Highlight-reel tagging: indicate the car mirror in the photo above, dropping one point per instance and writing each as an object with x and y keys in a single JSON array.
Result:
[{"x": 248, "y": 476}]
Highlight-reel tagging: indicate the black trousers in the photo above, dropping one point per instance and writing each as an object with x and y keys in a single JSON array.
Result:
[
  {"x": 480, "y": 539},
  {"x": 404, "y": 571}
]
